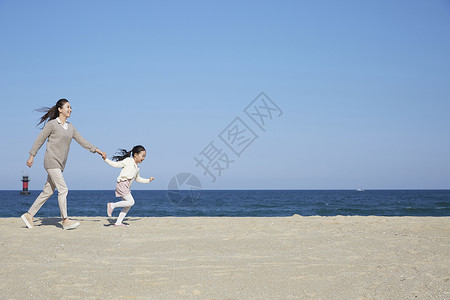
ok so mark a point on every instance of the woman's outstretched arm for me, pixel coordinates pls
(40, 140)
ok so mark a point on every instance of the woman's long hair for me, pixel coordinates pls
(123, 153)
(51, 112)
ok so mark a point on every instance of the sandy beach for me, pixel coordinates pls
(227, 258)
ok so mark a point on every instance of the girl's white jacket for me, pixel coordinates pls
(130, 170)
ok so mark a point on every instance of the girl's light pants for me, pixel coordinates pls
(127, 202)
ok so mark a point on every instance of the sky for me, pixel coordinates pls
(355, 94)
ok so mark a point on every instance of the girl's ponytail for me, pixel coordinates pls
(121, 155)
(51, 112)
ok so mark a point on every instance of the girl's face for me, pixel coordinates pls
(139, 157)
(66, 110)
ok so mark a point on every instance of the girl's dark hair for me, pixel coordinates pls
(123, 153)
(51, 112)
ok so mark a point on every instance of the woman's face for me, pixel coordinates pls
(139, 157)
(66, 110)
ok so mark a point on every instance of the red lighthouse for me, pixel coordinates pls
(25, 185)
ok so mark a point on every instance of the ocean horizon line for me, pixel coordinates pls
(244, 202)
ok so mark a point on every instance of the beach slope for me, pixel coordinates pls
(227, 258)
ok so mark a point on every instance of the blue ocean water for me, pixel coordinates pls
(242, 203)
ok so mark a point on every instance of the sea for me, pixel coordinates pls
(241, 203)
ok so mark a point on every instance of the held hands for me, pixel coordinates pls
(103, 154)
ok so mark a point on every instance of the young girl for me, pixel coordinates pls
(58, 133)
(127, 160)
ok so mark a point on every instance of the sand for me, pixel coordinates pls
(227, 258)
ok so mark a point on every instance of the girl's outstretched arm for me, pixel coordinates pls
(115, 164)
(143, 180)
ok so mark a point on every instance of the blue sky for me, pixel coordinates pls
(364, 87)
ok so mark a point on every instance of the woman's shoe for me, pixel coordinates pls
(70, 225)
(27, 219)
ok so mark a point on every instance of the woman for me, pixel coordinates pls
(59, 134)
